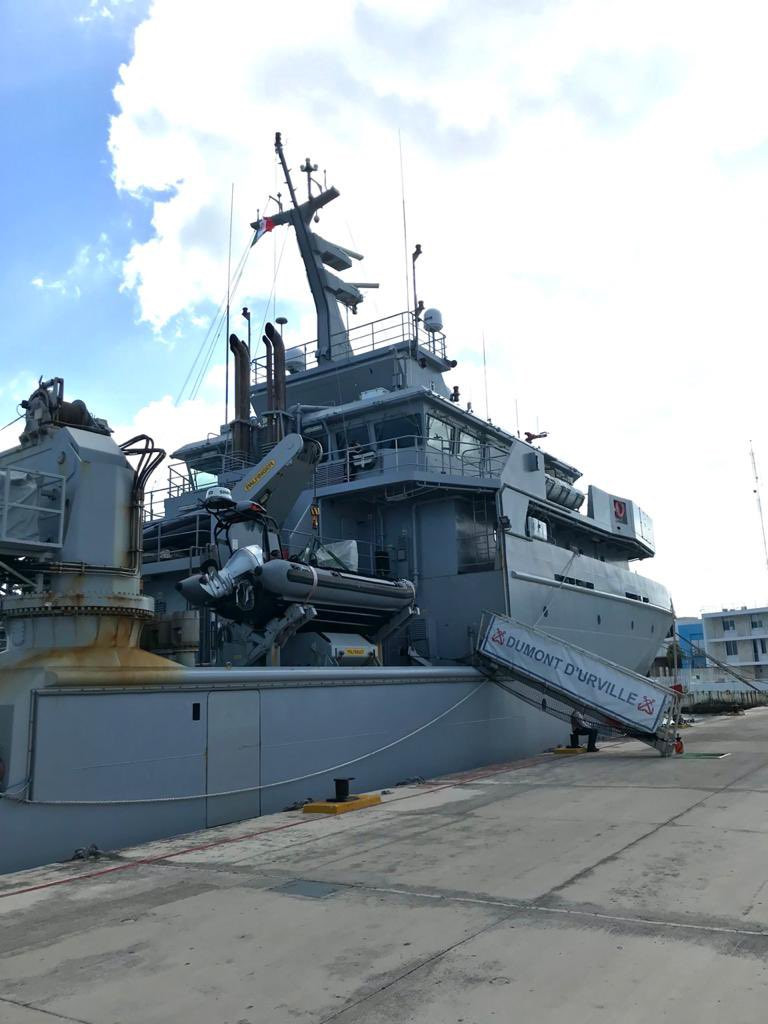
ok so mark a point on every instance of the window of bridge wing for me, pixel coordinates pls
(398, 432)
(356, 436)
(470, 448)
(439, 434)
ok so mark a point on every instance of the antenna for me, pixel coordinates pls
(485, 379)
(405, 227)
(229, 289)
(759, 503)
(308, 168)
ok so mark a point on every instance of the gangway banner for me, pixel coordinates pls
(613, 691)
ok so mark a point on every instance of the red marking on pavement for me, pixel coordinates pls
(450, 784)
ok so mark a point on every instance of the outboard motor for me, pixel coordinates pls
(208, 589)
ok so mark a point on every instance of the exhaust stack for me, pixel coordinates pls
(272, 335)
(241, 427)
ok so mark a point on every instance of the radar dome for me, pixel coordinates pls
(433, 320)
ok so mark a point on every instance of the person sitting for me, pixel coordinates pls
(580, 727)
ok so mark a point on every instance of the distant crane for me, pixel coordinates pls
(759, 502)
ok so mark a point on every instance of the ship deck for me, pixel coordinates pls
(613, 887)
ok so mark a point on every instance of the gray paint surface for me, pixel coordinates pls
(133, 745)
(619, 887)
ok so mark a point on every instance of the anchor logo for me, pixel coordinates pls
(499, 637)
(647, 705)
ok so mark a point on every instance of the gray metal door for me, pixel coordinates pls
(233, 755)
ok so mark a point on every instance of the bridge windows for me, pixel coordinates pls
(439, 434)
(352, 436)
(400, 432)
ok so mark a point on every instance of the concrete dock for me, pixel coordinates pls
(615, 887)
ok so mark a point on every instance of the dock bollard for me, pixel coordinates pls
(342, 789)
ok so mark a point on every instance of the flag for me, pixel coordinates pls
(262, 226)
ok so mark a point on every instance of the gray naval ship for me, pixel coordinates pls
(405, 484)
(303, 602)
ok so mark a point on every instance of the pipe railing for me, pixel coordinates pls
(411, 452)
(363, 338)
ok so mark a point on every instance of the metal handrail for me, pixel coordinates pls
(411, 451)
(40, 480)
(381, 333)
(184, 481)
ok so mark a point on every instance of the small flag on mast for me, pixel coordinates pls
(262, 226)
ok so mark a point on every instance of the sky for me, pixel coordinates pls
(587, 180)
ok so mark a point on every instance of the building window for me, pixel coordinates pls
(763, 647)
(728, 624)
(731, 647)
(756, 623)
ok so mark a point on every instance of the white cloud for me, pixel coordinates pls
(171, 425)
(99, 10)
(584, 178)
(92, 263)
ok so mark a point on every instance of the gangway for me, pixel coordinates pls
(617, 700)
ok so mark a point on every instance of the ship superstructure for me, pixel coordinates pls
(415, 486)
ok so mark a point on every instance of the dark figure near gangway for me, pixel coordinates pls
(580, 727)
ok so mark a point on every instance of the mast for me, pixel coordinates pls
(328, 290)
(329, 322)
(759, 502)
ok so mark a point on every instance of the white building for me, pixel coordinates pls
(738, 637)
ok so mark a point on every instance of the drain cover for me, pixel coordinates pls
(302, 887)
(707, 754)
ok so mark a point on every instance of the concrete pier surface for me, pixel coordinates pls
(615, 887)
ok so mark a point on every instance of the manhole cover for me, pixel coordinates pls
(301, 887)
(707, 754)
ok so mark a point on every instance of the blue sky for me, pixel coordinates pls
(586, 179)
(66, 228)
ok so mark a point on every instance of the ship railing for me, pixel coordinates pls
(32, 506)
(411, 453)
(356, 340)
(182, 480)
(368, 558)
(187, 537)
